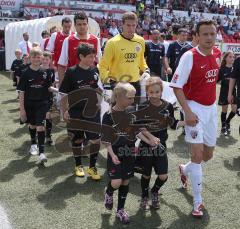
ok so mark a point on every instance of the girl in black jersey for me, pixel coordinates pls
(225, 74)
(119, 138)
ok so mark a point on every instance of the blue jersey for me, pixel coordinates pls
(154, 54)
(184, 49)
(173, 53)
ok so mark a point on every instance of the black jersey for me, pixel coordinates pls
(21, 69)
(154, 54)
(160, 118)
(77, 78)
(225, 73)
(173, 53)
(35, 84)
(16, 65)
(117, 131)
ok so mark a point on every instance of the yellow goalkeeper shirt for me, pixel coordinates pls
(123, 59)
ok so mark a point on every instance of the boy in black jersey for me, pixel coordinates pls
(81, 81)
(22, 67)
(46, 61)
(15, 66)
(34, 87)
(153, 155)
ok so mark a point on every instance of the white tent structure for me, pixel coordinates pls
(15, 30)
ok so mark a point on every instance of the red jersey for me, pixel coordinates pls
(197, 74)
(58, 46)
(73, 43)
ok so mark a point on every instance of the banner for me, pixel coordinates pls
(235, 48)
(13, 5)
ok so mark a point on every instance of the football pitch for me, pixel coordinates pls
(51, 197)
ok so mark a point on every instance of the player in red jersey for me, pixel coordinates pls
(68, 57)
(194, 84)
(56, 40)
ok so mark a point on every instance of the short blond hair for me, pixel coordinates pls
(35, 51)
(35, 44)
(47, 54)
(129, 16)
(18, 51)
(154, 80)
(120, 89)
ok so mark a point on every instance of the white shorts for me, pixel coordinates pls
(205, 131)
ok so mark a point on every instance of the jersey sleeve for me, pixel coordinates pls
(106, 61)
(63, 59)
(65, 87)
(105, 132)
(146, 50)
(143, 65)
(51, 43)
(22, 84)
(236, 69)
(183, 71)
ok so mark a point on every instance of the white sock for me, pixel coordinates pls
(187, 168)
(196, 181)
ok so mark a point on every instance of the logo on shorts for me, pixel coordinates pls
(194, 134)
(175, 78)
(44, 75)
(96, 76)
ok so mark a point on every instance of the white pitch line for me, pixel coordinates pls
(4, 222)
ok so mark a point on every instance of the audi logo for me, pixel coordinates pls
(130, 55)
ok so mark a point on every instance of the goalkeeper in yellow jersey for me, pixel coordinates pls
(123, 58)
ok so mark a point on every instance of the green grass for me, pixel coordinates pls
(51, 197)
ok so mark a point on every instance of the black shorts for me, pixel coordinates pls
(152, 158)
(124, 170)
(223, 96)
(81, 134)
(50, 104)
(36, 112)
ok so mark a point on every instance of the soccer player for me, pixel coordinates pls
(81, 76)
(15, 66)
(123, 58)
(46, 62)
(235, 79)
(34, 87)
(56, 40)
(226, 70)
(153, 155)
(68, 57)
(174, 50)
(45, 39)
(194, 84)
(155, 55)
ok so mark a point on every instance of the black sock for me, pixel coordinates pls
(122, 195)
(145, 186)
(230, 116)
(78, 160)
(41, 140)
(77, 152)
(94, 149)
(48, 127)
(33, 135)
(223, 118)
(158, 184)
(110, 190)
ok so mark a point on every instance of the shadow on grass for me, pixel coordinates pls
(10, 101)
(226, 141)
(180, 148)
(141, 219)
(16, 167)
(187, 221)
(23, 129)
(15, 110)
(234, 166)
